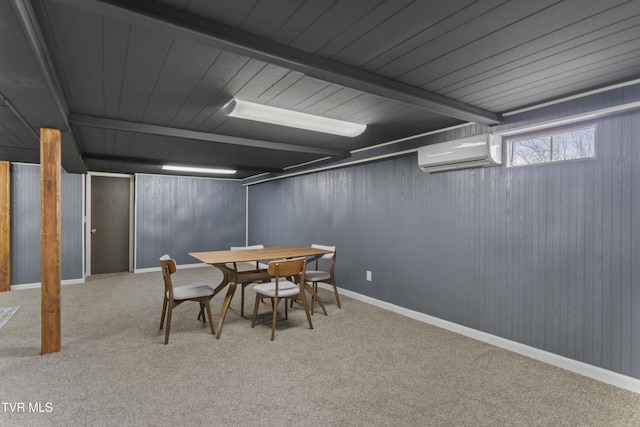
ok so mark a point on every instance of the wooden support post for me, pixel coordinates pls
(50, 171)
(5, 227)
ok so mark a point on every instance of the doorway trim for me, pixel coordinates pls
(87, 230)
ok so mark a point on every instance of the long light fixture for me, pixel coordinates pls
(198, 170)
(280, 116)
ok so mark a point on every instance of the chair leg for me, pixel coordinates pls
(335, 291)
(313, 298)
(164, 312)
(207, 305)
(320, 303)
(255, 311)
(273, 321)
(201, 313)
(306, 309)
(242, 300)
(168, 327)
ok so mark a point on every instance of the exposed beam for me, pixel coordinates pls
(33, 33)
(159, 162)
(50, 220)
(41, 54)
(125, 126)
(186, 25)
(19, 116)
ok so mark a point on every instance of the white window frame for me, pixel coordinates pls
(550, 134)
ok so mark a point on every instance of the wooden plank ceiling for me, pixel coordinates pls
(114, 75)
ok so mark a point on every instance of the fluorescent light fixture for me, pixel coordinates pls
(198, 170)
(280, 116)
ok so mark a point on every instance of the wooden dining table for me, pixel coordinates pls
(232, 277)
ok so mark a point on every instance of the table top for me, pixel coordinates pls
(246, 255)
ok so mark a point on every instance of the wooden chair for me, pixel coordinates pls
(173, 297)
(281, 288)
(315, 276)
(239, 267)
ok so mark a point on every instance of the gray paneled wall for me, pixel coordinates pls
(546, 255)
(178, 215)
(25, 225)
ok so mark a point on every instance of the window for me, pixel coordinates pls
(559, 146)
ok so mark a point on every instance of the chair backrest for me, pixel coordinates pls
(326, 248)
(331, 256)
(168, 266)
(288, 267)
(239, 248)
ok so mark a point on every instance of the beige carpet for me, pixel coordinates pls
(360, 366)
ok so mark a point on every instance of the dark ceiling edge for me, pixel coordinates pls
(71, 160)
(186, 25)
(19, 116)
(125, 126)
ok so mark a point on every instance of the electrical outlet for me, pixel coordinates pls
(368, 276)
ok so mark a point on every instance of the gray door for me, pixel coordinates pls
(110, 198)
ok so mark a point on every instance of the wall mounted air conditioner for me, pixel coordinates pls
(476, 151)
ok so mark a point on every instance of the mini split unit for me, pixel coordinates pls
(477, 151)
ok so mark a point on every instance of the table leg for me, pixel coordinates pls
(309, 289)
(221, 286)
(225, 306)
(226, 281)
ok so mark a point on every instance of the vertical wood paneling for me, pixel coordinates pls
(522, 257)
(597, 261)
(626, 246)
(542, 255)
(178, 215)
(494, 225)
(590, 233)
(616, 242)
(72, 226)
(25, 225)
(580, 231)
(632, 125)
(507, 256)
(533, 264)
(607, 249)
(564, 265)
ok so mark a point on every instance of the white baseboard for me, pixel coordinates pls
(581, 368)
(39, 284)
(146, 270)
(179, 267)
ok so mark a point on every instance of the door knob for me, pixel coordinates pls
(93, 231)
